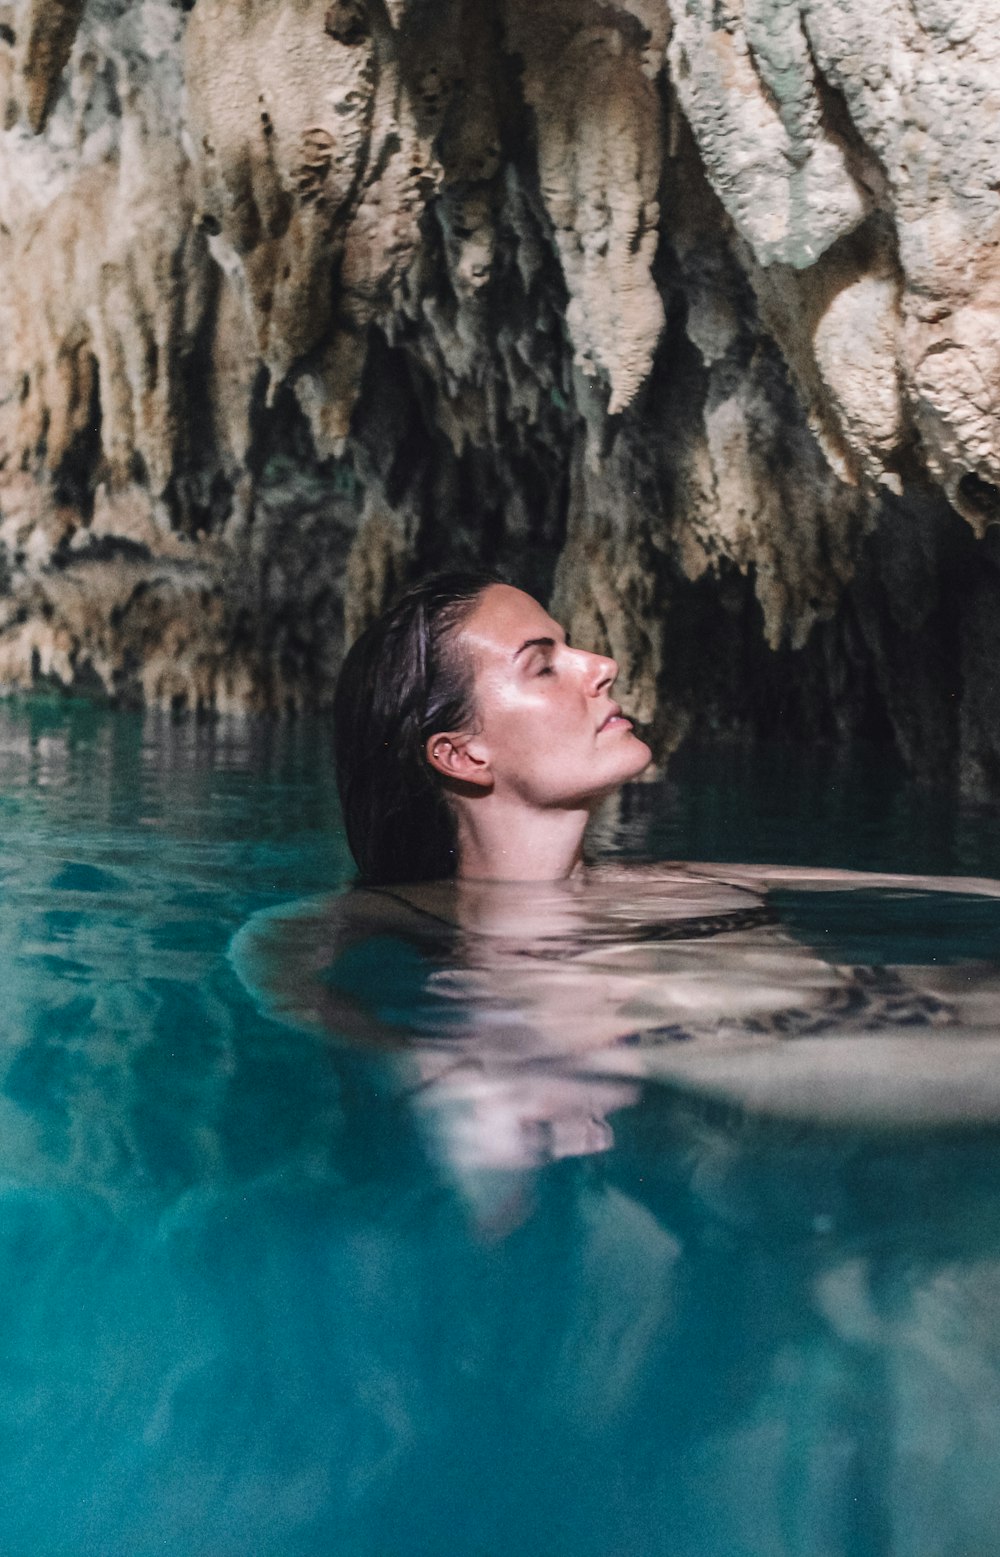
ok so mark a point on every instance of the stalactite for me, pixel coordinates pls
(687, 312)
(45, 31)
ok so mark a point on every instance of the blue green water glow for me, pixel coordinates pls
(243, 1312)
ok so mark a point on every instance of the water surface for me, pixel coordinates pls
(251, 1306)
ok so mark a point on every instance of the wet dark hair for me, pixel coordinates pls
(400, 683)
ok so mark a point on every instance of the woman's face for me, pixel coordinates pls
(546, 722)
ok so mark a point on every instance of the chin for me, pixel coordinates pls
(639, 758)
(634, 758)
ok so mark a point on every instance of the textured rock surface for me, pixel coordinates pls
(689, 311)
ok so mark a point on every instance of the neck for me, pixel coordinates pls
(497, 843)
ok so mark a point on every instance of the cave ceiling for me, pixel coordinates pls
(684, 314)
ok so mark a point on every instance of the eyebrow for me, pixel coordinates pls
(538, 643)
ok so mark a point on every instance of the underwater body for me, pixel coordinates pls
(654, 1243)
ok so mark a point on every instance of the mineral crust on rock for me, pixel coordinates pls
(687, 312)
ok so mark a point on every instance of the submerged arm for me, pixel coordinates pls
(288, 959)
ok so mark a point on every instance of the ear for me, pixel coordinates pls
(459, 757)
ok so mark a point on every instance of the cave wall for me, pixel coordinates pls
(686, 315)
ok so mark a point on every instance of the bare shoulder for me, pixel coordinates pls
(299, 961)
(282, 943)
(673, 873)
(818, 878)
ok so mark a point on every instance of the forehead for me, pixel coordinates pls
(502, 619)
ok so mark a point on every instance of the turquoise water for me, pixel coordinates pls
(245, 1310)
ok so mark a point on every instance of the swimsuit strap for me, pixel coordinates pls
(696, 927)
(415, 908)
(691, 927)
(701, 927)
(734, 886)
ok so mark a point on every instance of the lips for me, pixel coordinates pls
(613, 718)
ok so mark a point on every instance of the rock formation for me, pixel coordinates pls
(685, 311)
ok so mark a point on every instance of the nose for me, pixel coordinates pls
(602, 673)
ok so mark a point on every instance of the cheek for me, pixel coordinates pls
(517, 716)
(528, 733)
(532, 742)
(538, 731)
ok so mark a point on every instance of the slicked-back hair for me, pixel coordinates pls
(401, 682)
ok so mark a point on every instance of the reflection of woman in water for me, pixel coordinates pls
(473, 745)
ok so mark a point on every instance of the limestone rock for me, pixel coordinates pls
(44, 32)
(689, 311)
(597, 117)
(747, 84)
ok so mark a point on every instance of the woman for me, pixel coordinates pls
(474, 744)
